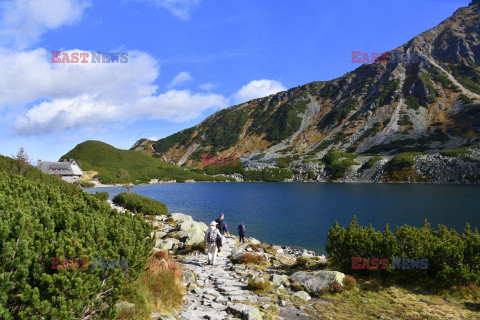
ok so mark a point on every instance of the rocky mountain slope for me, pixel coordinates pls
(423, 96)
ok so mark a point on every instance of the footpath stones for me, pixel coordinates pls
(315, 281)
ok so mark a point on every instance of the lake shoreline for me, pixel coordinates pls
(99, 185)
(273, 212)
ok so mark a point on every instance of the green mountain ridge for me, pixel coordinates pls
(109, 162)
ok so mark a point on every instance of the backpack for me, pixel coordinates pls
(212, 235)
(243, 229)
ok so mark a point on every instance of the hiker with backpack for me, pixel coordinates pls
(213, 241)
(242, 231)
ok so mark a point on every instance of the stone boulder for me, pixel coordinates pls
(255, 241)
(189, 276)
(279, 279)
(238, 252)
(180, 217)
(167, 244)
(160, 218)
(246, 312)
(315, 281)
(192, 232)
(189, 225)
(302, 295)
(159, 234)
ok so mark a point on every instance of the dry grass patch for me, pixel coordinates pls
(158, 289)
(251, 258)
(260, 285)
(394, 303)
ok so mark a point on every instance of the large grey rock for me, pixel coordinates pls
(315, 281)
(238, 252)
(279, 279)
(180, 217)
(302, 295)
(254, 241)
(245, 311)
(194, 238)
(166, 244)
(160, 218)
(190, 224)
(192, 232)
(160, 234)
(189, 276)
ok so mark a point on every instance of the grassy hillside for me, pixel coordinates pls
(43, 220)
(109, 162)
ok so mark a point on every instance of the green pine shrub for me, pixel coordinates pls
(140, 204)
(336, 168)
(43, 217)
(453, 259)
(103, 196)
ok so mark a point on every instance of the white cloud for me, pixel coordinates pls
(180, 79)
(87, 111)
(207, 86)
(257, 89)
(29, 75)
(153, 138)
(89, 94)
(180, 8)
(22, 22)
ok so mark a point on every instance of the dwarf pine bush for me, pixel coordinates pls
(141, 204)
(42, 217)
(453, 258)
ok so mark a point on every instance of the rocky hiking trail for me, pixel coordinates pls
(220, 291)
(271, 285)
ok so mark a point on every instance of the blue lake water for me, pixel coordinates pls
(300, 214)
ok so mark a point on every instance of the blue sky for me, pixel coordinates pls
(186, 60)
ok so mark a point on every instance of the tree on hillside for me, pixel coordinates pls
(22, 159)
